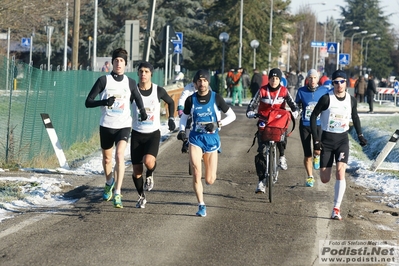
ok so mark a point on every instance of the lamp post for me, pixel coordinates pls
(314, 32)
(49, 31)
(357, 33)
(254, 45)
(336, 26)
(361, 50)
(343, 36)
(306, 57)
(314, 60)
(270, 35)
(367, 45)
(224, 38)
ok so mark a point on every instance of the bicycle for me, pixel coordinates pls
(269, 133)
(270, 174)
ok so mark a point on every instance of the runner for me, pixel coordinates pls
(335, 109)
(306, 99)
(204, 106)
(117, 92)
(146, 136)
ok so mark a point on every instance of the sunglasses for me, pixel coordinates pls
(342, 81)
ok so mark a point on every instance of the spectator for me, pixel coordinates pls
(105, 67)
(246, 82)
(256, 82)
(360, 88)
(292, 80)
(371, 90)
(323, 79)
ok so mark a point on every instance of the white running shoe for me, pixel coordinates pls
(336, 214)
(283, 163)
(261, 188)
(141, 202)
(149, 183)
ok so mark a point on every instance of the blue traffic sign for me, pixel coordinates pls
(177, 48)
(344, 59)
(318, 44)
(25, 42)
(332, 47)
(178, 43)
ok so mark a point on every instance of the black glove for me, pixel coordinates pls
(143, 114)
(110, 101)
(182, 135)
(209, 127)
(171, 124)
(317, 145)
(362, 140)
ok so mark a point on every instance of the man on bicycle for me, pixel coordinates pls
(270, 96)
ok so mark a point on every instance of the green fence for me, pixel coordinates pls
(26, 92)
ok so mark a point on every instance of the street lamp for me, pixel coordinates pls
(356, 33)
(224, 38)
(361, 50)
(49, 31)
(336, 26)
(367, 45)
(306, 57)
(254, 45)
(314, 62)
(343, 36)
(270, 34)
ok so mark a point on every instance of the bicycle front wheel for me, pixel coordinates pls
(272, 169)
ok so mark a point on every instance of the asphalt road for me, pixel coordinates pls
(241, 227)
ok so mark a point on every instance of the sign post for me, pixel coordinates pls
(178, 48)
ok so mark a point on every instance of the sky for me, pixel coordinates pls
(46, 191)
(386, 5)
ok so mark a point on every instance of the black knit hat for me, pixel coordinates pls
(120, 52)
(339, 74)
(146, 65)
(275, 72)
(202, 73)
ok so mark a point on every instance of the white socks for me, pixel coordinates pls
(339, 191)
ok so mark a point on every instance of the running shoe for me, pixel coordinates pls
(310, 181)
(336, 214)
(261, 188)
(184, 148)
(141, 202)
(283, 163)
(149, 183)
(107, 195)
(201, 211)
(118, 201)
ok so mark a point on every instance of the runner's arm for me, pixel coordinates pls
(97, 88)
(135, 94)
(321, 105)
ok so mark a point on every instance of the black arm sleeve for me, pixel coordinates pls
(187, 105)
(321, 105)
(98, 87)
(355, 116)
(135, 94)
(221, 103)
(163, 94)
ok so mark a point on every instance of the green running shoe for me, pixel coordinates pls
(118, 201)
(107, 195)
(310, 181)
